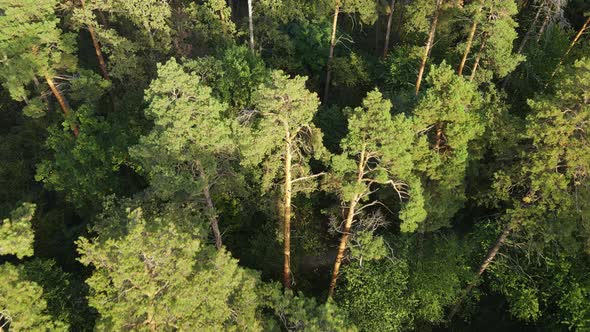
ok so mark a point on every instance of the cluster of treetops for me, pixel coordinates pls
(168, 165)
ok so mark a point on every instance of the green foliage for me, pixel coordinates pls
(158, 276)
(189, 134)
(22, 307)
(400, 292)
(86, 167)
(377, 150)
(286, 108)
(448, 121)
(32, 45)
(16, 234)
(295, 312)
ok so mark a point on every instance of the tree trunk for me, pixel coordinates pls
(469, 41)
(251, 25)
(388, 32)
(529, 33)
(347, 225)
(287, 213)
(573, 43)
(478, 57)
(544, 25)
(429, 43)
(526, 38)
(212, 212)
(331, 55)
(492, 252)
(62, 101)
(101, 62)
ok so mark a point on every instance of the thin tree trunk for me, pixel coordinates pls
(573, 43)
(544, 25)
(529, 33)
(429, 43)
(101, 62)
(212, 212)
(526, 38)
(331, 55)
(388, 32)
(287, 212)
(347, 225)
(251, 25)
(478, 57)
(62, 101)
(469, 41)
(492, 252)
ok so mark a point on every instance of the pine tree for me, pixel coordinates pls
(22, 307)
(376, 153)
(157, 277)
(284, 103)
(448, 122)
(31, 28)
(186, 150)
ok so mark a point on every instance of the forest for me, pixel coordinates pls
(295, 165)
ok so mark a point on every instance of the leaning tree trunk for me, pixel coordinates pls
(331, 55)
(97, 49)
(251, 25)
(573, 43)
(388, 32)
(525, 40)
(545, 23)
(347, 226)
(428, 47)
(478, 57)
(287, 212)
(492, 252)
(213, 220)
(65, 107)
(469, 41)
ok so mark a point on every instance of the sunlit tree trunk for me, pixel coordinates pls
(478, 57)
(61, 100)
(98, 51)
(251, 25)
(347, 225)
(544, 25)
(388, 32)
(492, 252)
(287, 211)
(332, 46)
(573, 43)
(469, 41)
(213, 220)
(524, 41)
(428, 47)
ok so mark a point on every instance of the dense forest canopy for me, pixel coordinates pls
(294, 165)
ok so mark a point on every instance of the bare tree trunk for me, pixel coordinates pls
(469, 41)
(529, 33)
(492, 252)
(478, 57)
(331, 55)
(287, 212)
(213, 220)
(429, 43)
(251, 25)
(101, 62)
(573, 43)
(347, 225)
(343, 242)
(544, 25)
(526, 38)
(388, 32)
(62, 101)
